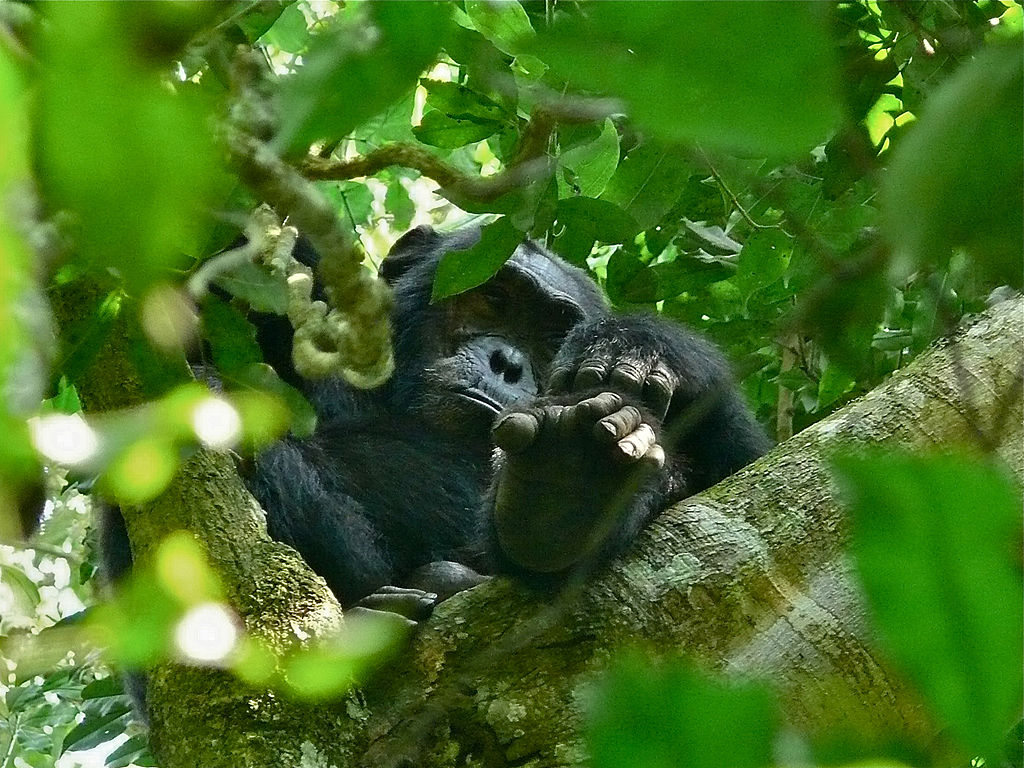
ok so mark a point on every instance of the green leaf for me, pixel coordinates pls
(439, 130)
(669, 279)
(456, 100)
(102, 688)
(834, 383)
(260, 16)
(239, 362)
(135, 751)
(398, 203)
(21, 585)
(935, 539)
(459, 271)
(591, 166)
(643, 716)
(583, 221)
(131, 159)
(101, 724)
(764, 258)
(232, 338)
(290, 32)
(699, 71)
(371, 55)
(257, 287)
(956, 180)
(646, 184)
(504, 24)
(352, 199)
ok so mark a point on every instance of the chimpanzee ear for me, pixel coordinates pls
(408, 251)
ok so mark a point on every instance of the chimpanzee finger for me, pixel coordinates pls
(515, 431)
(634, 445)
(655, 456)
(657, 390)
(588, 411)
(591, 373)
(619, 424)
(627, 377)
(559, 378)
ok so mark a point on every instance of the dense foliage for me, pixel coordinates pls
(822, 188)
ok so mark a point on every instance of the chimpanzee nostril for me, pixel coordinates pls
(498, 361)
(507, 364)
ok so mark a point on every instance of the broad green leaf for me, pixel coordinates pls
(957, 178)
(99, 689)
(290, 32)
(370, 56)
(589, 166)
(240, 365)
(21, 586)
(456, 100)
(135, 751)
(668, 279)
(257, 287)
(133, 161)
(258, 17)
(834, 384)
(936, 540)
(232, 338)
(459, 271)
(262, 425)
(398, 203)
(101, 724)
(582, 221)
(645, 716)
(352, 199)
(749, 76)
(646, 183)
(439, 130)
(764, 258)
(504, 24)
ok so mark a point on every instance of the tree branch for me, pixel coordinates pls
(749, 578)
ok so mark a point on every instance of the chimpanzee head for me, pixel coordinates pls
(462, 360)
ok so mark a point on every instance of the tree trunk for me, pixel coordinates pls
(749, 578)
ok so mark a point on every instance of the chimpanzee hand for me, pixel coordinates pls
(567, 471)
(622, 354)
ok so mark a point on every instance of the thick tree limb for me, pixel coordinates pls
(750, 578)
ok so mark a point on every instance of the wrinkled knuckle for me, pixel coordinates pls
(627, 375)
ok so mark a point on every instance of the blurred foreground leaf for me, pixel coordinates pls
(644, 716)
(371, 55)
(698, 71)
(937, 540)
(132, 160)
(958, 178)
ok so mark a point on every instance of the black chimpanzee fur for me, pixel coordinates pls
(403, 485)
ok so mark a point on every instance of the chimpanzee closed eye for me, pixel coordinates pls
(526, 430)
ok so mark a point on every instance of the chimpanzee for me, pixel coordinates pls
(526, 430)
